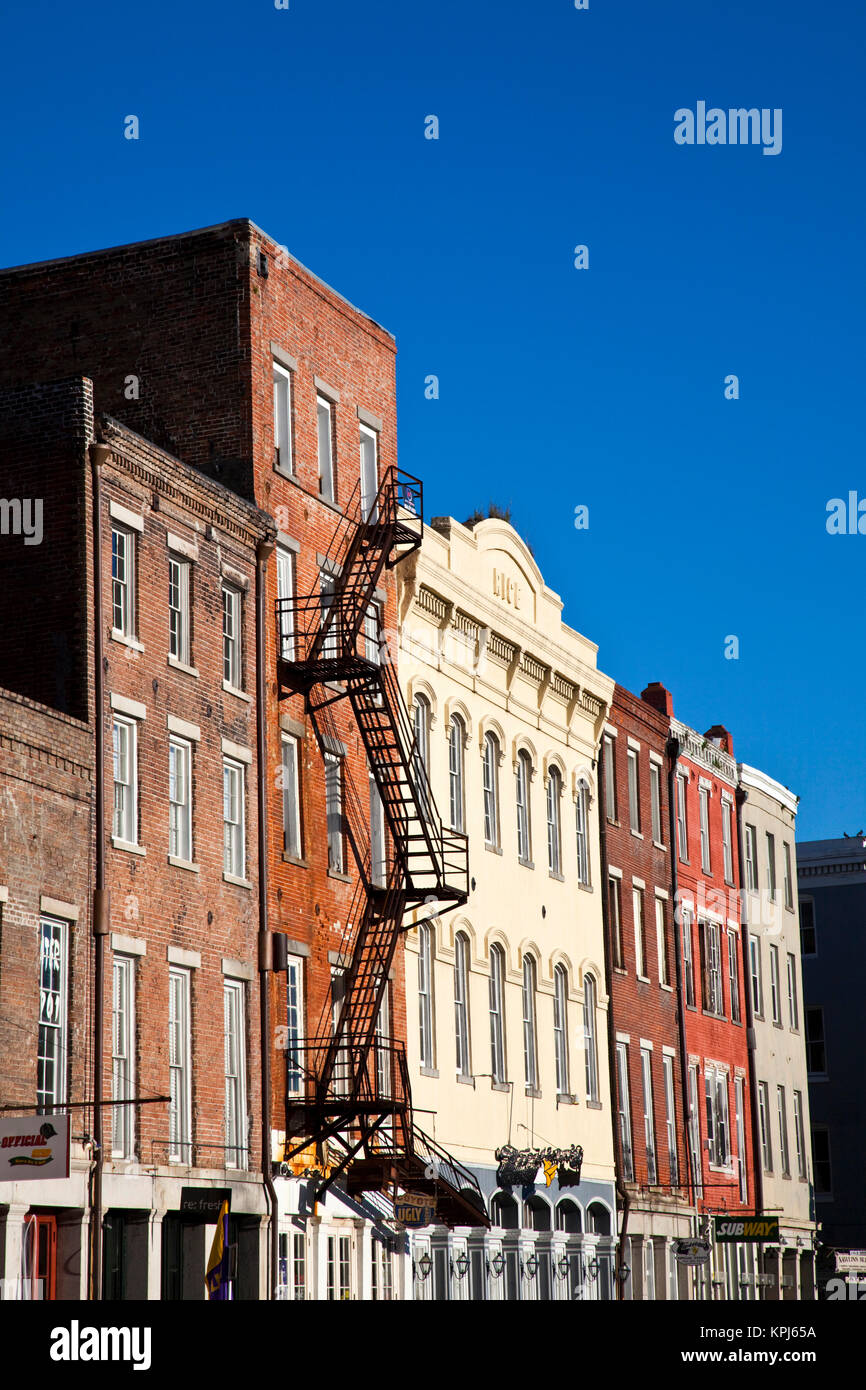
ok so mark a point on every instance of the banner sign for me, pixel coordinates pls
(519, 1167)
(692, 1252)
(415, 1209)
(34, 1146)
(748, 1228)
(204, 1202)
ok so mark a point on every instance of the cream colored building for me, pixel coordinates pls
(506, 1003)
(768, 825)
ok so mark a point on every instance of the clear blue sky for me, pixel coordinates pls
(558, 386)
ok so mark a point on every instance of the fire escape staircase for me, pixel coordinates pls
(349, 1084)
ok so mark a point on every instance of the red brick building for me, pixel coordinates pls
(646, 1069)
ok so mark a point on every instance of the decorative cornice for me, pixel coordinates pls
(703, 751)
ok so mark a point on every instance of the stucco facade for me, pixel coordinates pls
(509, 708)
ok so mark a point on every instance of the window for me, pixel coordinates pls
(560, 1028)
(718, 1133)
(334, 813)
(299, 1266)
(751, 859)
(236, 1089)
(757, 980)
(808, 940)
(294, 1024)
(369, 443)
(614, 899)
(764, 1118)
(178, 609)
(789, 879)
(497, 1014)
(234, 857)
(695, 1131)
(670, 1118)
(712, 973)
(122, 582)
(530, 1049)
(733, 977)
(524, 776)
(793, 1005)
(656, 801)
(421, 754)
(282, 419)
(125, 823)
(775, 996)
(381, 1273)
(456, 740)
(232, 637)
(122, 1054)
(633, 791)
(704, 810)
(624, 1111)
(51, 1045)
(783, 1132)
(425, 995)
(823, 1171)
(799, 1136)
(727, 840)
(740, 1113)
(649, 1267)
(330, 615)
(339, 1268)
(589, 1038)
(342, 1061)
(180, 1108)
(383, 1051)
(610, 776)
(292, 842)
(582, 812)
(682, 822)
(286, 599)
(324, 426)
(179, 800)
(648, 1119)
(639, 932)
(373, 637)
(378, 848)
(688, 961)
(461, 1004)
(491, 790)
(771, 865)
(554, 848)
(816, 1052)
(662, 942)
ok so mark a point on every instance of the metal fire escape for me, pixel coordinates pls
(348, 1084)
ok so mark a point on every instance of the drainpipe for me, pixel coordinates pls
(621, 1191)
(672, 749)
(99, 456)
(264, 551)
(751, 1040)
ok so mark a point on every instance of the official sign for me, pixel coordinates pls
(34, 1146)
(850, 1260)
(415, 1209)
(747, 1228)
(204, 1202)
(692, 1252)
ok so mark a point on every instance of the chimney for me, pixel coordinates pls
(719, 735)
(660, 698)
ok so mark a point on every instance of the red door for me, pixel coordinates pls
(42, 1231)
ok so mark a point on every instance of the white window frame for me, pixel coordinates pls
(178, 609)
(339, 1268)
(234, 819)
(122, 1055)
(695, 1130)
(123, 588)
(633, 790)
(614, 889)
(530, 1030)
(793, 1001)
(491, 790)
(670, 1118)
(590, 1036)
(637, 909)
(179, 1051)
(740, 1120)
(293, 840)
(734, 975)
(789, 880)
(286, 594)
(52, 1031)
(282, 379)
(425, 997)
(682, 817)
(704, 813)
(752, 879)
(727, 840)
(234, 1012)
(294, 1025)
(461, 1004)
(718, 1117)
(775, 985)
(688, 961)
(649, 1127)
(662, 940)
(456, 773)
(180, 807)
(656, 802)
(624, 1111)
(610, 776)
(756, 973)
(369, 437)
(714, 1002)
(334, 813)
(422, 715)
(497, 1014)
(784, 1147)
(125, 821)
(764, 1122)
(524, 822)
(560, 1029)
(554, 836)
(232, 608)
(581, 809)
(800, 1136)
(770, 845)
(325, 447)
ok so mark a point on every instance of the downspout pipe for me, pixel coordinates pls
(751, 1039)
(672, 749)
(621, 1190)
(264, 551)
(99, 456)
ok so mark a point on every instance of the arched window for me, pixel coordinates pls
(524, 774)
(589, 1040)
(582, 823)
(421, 753)
(456, 736)
(461, 1004)
(497, 1014)
(425, 994)
(530, 1047)
(504, 1211)
(560, 1028)
(568, 1217)
(491, 790)
(554, 839)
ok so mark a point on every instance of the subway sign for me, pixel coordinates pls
(727, 1228)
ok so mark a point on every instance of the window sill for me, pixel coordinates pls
(526, 863)
(500, 1085)
(339, 875)
(296, 860)
(644, 979)
(717, 1168)
(237, 880)
(240, 694)
(464, 1080)
(432, 1072)
(177, 665)
(585, 887)
(125, 641)
(620, 970)
(565, 1099)
(638, 835)
(533, 1092)
(493, 849)
(560, 878)
(669, 989)
(657, 844)
(184, 864)
(336, 686)
(612, 820)
(594, 1105)
(128, 846)
(777, 1025)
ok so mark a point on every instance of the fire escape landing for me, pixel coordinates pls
(348, 1084)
